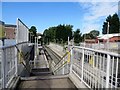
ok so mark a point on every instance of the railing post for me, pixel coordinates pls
(71, 59)
(3, 68)
(63, 71)
(107, 71)
(83, 51)
(16, 62)
(35, 54)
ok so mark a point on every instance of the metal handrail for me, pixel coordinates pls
(62, 58)
(63, 64)
(22, 55)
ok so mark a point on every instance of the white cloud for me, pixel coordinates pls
(97, 11)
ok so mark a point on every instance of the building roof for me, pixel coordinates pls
(107, 36)
(90, 39)
(1, 23)
(10, 25)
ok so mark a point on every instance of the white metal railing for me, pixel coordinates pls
(62, 67)
(0, 68)
(8, 65)
(96, 68)
(111, 46)
(11, 62)
(14, 58)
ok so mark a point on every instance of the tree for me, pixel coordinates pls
(33, 30)
(91, 35)
(58, 33)
(87, 36)
(77, 36)
(114, 24)
(33, 33)
(94, 34)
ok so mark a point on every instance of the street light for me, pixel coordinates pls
(108, 35)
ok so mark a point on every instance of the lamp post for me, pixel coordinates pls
(84, 39)
(108, 36)
(73, 38)
(30, 36)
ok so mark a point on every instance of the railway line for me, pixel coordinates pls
(51, 55)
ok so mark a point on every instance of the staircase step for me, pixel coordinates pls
(42, 77)
(40, 70)
(40, 73)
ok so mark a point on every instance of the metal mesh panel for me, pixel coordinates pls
(22, 32)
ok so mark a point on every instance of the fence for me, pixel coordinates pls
(96, 68)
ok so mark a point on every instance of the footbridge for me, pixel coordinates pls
(79, 67)
(31, 65)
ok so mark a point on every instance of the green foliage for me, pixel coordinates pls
(114, 24)
(32, 33)
(77, 36)
(33, 30)
(58, 34)
(94, 34)
(91, 35)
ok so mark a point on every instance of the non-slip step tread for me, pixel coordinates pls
(40, 70)
(44, 77)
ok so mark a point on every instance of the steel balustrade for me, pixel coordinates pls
(96, 68)
(10, 63)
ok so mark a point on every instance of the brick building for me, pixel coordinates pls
(111, 37)
(104, 38)
(10, 31)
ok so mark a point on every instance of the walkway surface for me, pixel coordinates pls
(41, 61)
(48, 83)
(41, 77)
